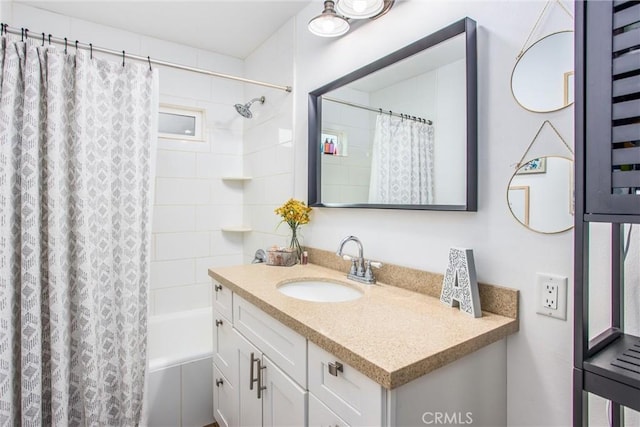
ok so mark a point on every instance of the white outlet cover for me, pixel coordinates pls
(542, 279)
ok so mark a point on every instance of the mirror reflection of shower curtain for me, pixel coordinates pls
(402, 162)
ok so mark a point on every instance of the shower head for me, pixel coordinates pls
(245, 109)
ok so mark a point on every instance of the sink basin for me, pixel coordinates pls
(319, 291)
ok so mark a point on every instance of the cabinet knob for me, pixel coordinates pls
(218, 322)
(217, 287)
(219, 382)
(334, 368)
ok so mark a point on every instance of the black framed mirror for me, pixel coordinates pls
(401, 132)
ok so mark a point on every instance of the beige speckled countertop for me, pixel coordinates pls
(391, 334)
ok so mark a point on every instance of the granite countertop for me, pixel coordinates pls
(392, 335)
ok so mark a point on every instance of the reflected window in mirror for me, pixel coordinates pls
(410, 121)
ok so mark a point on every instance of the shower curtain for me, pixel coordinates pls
(76, 169)
(402, 162)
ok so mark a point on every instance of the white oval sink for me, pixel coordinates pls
(319, 291)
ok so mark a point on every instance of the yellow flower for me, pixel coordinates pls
(294, 212)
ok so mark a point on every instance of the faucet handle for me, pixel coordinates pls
(376, 264)
(354, 267)
(368, 274)
(354, 264)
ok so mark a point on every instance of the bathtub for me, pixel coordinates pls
(180, 389)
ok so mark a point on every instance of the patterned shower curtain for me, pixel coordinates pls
(402, 162)
(77, 142)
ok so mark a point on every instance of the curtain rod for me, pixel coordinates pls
(24, 32)
(378, 110)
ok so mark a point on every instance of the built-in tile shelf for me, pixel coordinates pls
(237, 229)
(237, 178)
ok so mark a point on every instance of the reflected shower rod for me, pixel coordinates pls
(378, 110)
(24, 32)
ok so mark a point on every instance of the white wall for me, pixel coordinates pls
(5, 11)
(539, 355)
(191, 202)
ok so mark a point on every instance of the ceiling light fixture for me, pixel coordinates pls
(328, 23)
(359, 9)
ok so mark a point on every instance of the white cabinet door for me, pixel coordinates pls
(284, 401)
(224, 400)
(247, 359)
(286, 348)
(321, 416)
(223, 346)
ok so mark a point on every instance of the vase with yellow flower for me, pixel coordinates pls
(295, 213)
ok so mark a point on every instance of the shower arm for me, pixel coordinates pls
(261, 99)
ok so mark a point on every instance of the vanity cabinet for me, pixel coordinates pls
(268, 374)
(250, 387)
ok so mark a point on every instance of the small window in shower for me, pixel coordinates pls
(180, 123)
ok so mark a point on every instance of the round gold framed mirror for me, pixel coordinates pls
(540, 195)
(542, 79)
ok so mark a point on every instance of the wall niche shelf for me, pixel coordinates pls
(237, 178)
(237, 229)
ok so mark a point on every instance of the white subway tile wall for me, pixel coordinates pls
(191, 201)
(268, 142)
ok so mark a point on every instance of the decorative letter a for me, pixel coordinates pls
(460, 286)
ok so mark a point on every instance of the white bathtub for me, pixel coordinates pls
(180, 389)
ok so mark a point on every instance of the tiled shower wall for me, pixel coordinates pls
(268, 141)
(192, 203)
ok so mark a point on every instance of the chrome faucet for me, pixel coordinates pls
(360, 268)
(259, 257)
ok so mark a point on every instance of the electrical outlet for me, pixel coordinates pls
(552, 295)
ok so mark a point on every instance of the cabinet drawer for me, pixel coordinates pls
(354, 397)
(224, 400)
(284, 347)
(223, 347)
(222, 299)
(321, 416)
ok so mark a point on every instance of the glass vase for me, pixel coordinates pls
(295, 244)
